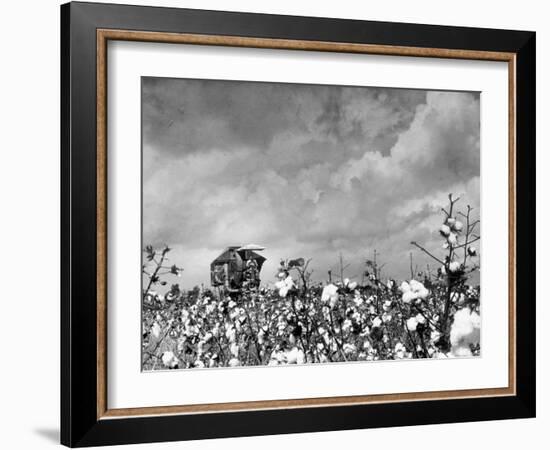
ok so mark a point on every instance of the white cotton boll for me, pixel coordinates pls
(461, 351)
(465, 331)
(451, 221)
(457, 297)
(399, 350)
(458, 226)
(412, 323)
(231, 334)
(283, 291)
(435, 335)
(420, 319)
(155, 330)
(405, 287)
(452, 239)
(169, 359)
(387, 305)
(454, 266)
(445, 230)
(352, 285)
(476, 322)
(234, 348)
(346, 326)
(261, 336)
(198, 364)
(408, 296)
(330, 292)
(386, 317)
(295, 356)
(284, 286)
(346, 281)
(443, 270)
(415, 285)
(234, 362)
(423, 293)
(349, 348)
(376, 322)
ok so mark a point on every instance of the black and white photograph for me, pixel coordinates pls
(307, 224)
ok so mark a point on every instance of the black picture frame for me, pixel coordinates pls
(80, 425)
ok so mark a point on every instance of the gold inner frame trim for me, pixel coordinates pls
(103, 36)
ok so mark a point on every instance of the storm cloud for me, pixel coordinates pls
(304, 170)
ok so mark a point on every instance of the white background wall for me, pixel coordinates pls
(29, 223)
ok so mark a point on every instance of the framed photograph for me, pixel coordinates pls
(276, 224)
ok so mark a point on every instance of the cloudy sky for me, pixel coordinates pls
(304, 170)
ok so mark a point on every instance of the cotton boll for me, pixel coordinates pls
(376, 322)
(420, 319)
(198, 364)
(451, 221)
(452, 239)
(231, 334)
(435, 335)
(234, 362)
(457, 297)
(346, 326)
(155, 330)
(399, 350)
(458, 226)
(349, 348)
(295, 356)
(465, 331)
(330, 292)
(408, 297)
(445, 230)
(461, 351)
(234, 348)
(284, 286)
(169, 360)
(454, 266)
(261, 337)
(352, 285)
(412, 323)
(423, 293)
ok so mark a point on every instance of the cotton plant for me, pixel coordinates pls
(295, 320)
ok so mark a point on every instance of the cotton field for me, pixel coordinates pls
(294, 320)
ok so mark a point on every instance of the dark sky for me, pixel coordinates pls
(304, 170)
